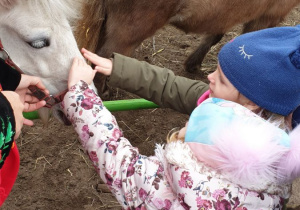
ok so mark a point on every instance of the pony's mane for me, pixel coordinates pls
(88, 27)
(55, 8)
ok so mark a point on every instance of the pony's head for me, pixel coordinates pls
(39, 38)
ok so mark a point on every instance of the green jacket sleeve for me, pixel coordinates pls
(156, 84)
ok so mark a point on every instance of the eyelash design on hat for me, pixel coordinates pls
(242, 50)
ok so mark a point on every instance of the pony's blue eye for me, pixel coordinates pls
(38, 44)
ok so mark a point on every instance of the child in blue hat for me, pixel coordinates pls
(237, 150)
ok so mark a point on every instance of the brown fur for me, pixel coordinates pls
(121, 25)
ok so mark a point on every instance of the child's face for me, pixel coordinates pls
(221, 87)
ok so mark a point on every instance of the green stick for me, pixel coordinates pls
(113, 106)
(130, 104)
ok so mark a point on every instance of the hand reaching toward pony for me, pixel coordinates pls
(102, 65)
(80, 70)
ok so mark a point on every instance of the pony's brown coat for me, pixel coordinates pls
(121, 25)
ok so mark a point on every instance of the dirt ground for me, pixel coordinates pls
(55, 173)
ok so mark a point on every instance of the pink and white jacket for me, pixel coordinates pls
(171, 179)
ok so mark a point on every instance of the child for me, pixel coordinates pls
(15, 99)
(230, 157)
(156, 84)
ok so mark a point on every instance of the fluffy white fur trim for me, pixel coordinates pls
(289, 167)
(249, 152)
(180, 154)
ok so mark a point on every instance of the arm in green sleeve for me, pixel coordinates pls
(156, 84)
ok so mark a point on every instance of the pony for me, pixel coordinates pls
(120, 25)
(38, 35)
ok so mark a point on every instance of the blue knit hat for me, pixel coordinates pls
(265, 67)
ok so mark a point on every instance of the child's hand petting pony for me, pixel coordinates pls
(80, 70)
(102, 65)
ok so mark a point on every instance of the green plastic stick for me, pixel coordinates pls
(113, 106)
(130, 104)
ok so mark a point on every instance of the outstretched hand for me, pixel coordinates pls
(30, 102)
(102, 65)
(80, 70)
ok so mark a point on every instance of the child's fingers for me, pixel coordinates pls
(31, 99)
(81, 63)
(28, 122)
(83, 50)
(74, 63)
(87, 53)
(103, 70)
(77, 64)
(92, 57)
(102, 65)
(28, 107)
(38, 82)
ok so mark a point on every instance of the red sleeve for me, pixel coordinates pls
(8, 173)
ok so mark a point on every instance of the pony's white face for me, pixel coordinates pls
(38, 36)
(40, 42)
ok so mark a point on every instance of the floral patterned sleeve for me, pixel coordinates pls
(134, 179)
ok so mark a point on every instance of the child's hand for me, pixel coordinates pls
(30, 102)
(18, 108)
(27, 80)
(102, 65)
(80, 70)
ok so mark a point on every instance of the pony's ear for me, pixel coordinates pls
(8, 4)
